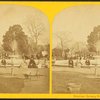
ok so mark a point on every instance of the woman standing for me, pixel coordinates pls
(32, 63)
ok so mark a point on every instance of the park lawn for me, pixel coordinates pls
(37, 84)
(11, 85)
(61, 78)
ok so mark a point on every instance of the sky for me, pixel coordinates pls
(17, 14)
(76, 21)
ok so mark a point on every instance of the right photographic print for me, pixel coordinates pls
(76, 50)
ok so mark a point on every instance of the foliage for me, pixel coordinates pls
(16, 33)
(93, 38)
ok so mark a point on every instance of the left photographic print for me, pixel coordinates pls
(24, 50)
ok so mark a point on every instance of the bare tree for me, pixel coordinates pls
(36, 28)
(79, 47)
(64, 40)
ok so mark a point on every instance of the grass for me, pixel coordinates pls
(11, 85)
(36, 84)
(88, 85)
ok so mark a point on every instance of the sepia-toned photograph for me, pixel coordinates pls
(24, 50)
(76, 50)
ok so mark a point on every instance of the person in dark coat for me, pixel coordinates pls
(71, 63)
(38, 56)
(87, 62)
(32, 63)
(3, 62)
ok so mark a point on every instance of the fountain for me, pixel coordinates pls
(15, 57)
(14, 45)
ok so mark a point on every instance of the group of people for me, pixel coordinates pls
(36, 63)
(78, 62)
(31, 62)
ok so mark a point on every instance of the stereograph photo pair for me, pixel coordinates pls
(25, 50)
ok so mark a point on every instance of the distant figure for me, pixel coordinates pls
(44, 54)
(80, 58)
(44, 64)
(32, 63)
(78, 63)
(71, 64)
(38, 56)
(87, 62)
(3, 62)
(24, 63)
(25, 57)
